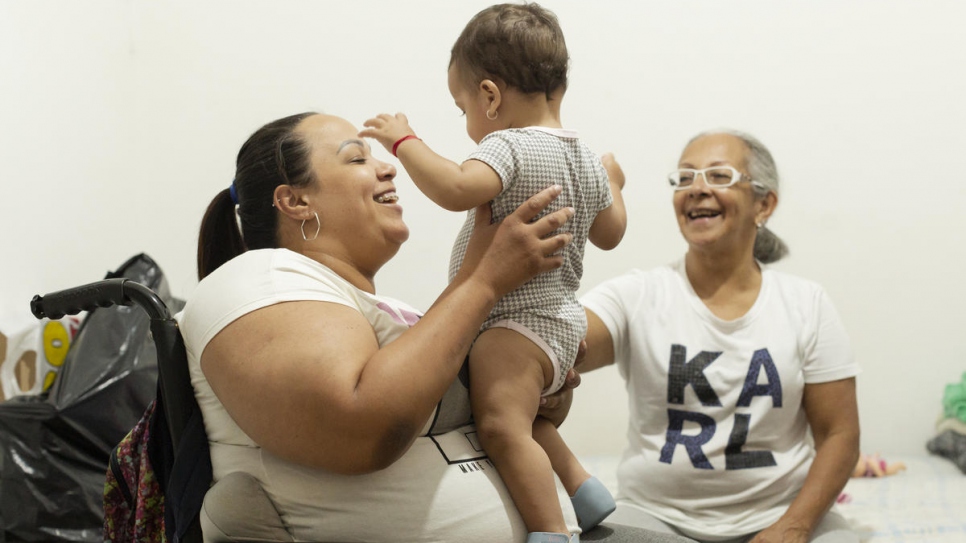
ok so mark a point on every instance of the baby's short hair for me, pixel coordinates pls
(519, 44)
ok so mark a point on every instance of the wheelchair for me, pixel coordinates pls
(234, 509)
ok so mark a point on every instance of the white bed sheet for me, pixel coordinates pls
(924, 504)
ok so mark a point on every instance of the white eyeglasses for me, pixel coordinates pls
(718, 177)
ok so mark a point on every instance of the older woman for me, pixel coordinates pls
(349, 408)
(728, 365)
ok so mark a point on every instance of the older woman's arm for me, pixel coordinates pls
(833, 416)
(600, 345)
(308, 381)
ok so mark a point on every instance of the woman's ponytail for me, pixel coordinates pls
(220, 240)
(769, 247)
(243, 217)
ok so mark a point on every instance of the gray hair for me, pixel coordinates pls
(761, 168)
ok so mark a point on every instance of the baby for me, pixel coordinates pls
(508, 74)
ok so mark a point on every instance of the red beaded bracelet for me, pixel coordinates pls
(400, 140)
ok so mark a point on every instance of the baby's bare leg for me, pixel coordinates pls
(572, 474)
(508, 372)
(591, 500)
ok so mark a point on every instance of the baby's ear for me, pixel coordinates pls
(492, 92)
(489, 86)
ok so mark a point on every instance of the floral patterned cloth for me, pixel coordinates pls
(133, 501)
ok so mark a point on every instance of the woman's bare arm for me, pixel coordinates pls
(833, 415)
(600, 345)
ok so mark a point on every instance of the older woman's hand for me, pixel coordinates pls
(783, 532)
(556, 406)
(507, 254)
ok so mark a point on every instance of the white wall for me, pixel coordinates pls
(119, 120)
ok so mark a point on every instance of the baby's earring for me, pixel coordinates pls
(495, 114)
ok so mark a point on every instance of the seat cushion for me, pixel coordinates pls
(236, 508)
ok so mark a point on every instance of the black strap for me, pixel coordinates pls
(188, 482)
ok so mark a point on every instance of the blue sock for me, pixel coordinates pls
(552, 537)
(592, 503)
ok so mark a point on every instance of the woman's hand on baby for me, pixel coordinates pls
(614, 172)
(507, 254)
(556, 406)
(387, 129)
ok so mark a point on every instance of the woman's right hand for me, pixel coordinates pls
(507, 254)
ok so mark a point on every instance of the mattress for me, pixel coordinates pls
(926, 503)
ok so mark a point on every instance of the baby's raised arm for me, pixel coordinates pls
(456, 187)
(609, 225)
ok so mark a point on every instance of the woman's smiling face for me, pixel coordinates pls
(356, 198)
(717, 219)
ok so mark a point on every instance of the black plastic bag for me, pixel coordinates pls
(54, 448)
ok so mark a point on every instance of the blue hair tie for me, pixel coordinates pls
(234, 193)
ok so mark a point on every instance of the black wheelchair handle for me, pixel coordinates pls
(106, 293)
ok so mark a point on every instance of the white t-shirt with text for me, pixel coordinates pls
(718, 442)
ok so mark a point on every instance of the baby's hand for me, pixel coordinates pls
(614, 171)
(387, 129)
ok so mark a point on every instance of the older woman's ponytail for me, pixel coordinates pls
(762, 168)
(220, 240)
(769, 247)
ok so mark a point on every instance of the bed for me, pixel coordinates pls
(926, 503)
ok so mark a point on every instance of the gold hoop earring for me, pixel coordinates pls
(495, 115)
(318, 227)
